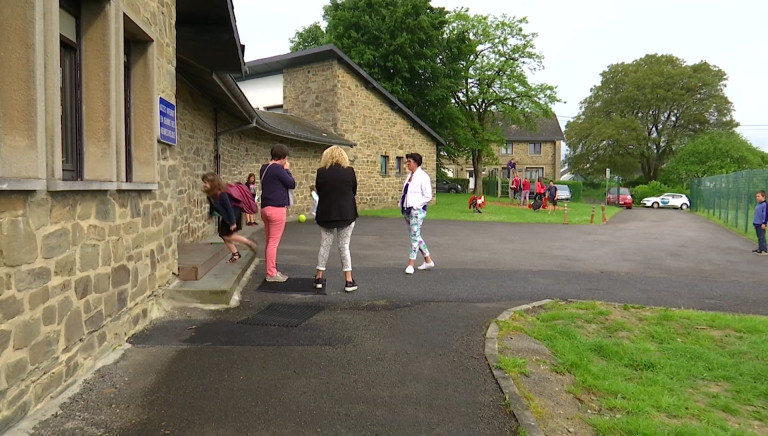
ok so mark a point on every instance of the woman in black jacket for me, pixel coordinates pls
(336, 186)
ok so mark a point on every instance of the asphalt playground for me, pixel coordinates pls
(403, 355)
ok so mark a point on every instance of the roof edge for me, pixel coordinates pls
(335, 52)
(262, 124)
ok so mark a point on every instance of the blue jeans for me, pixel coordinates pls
(760, 237)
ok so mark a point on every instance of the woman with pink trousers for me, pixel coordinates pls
(276, 180)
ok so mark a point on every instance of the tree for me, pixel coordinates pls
(397, 42)
(710, 154)
(641, 112)
(308, 37)
(489, 59)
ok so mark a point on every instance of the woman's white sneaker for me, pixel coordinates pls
(426, 265)
(409, 269)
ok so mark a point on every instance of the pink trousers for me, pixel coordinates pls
(274, 225)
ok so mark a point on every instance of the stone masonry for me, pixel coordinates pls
(80, 271)
(329, 94)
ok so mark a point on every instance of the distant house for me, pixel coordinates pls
(324, 87)
(536, 153)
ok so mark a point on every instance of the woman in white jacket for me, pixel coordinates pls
(417, 192)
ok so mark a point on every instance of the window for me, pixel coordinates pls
(399, 165)
(127, 106)
(383, 163)
(71, 95)
(507, 148)
(533, 173)
(534, 148)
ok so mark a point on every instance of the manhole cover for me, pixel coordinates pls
(283, 315)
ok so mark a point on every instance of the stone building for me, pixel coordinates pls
(537, 153)
(324, 86)
(110, 110)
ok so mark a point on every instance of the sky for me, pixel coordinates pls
(580, 39)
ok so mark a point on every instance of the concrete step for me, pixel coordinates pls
(195, 260)
(217, 287)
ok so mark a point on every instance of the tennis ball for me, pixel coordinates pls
(302, 218)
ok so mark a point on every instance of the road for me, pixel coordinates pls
(404, 354)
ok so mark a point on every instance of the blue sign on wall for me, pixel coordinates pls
(167, 122)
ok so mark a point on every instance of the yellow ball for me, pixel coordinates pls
(302, 218)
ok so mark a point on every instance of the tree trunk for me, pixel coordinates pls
(477, 166)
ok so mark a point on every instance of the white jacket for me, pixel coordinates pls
(419, 191)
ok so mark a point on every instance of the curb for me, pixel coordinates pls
(516, 401)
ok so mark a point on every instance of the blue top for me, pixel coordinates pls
(222, 204)
(760, 214)
(275, 183)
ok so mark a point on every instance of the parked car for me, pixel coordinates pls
(563, 193)
(446, 186)
(670, 199)
(624, 199)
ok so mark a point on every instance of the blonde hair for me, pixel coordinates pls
(216, 184)
(334, 155)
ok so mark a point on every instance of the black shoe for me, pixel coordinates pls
(755, 251)
(350, 286)
(319, 283)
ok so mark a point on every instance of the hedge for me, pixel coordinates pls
(577, 188)
(464, 183)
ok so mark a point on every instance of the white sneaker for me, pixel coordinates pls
(276, 278)
(409, 269)
(426, 265)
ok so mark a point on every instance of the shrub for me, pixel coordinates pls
(576, 186)
(653, 189)
(464, 183)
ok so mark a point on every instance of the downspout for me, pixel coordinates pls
(216, 149)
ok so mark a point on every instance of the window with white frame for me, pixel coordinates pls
(507, 148)
(533, 173)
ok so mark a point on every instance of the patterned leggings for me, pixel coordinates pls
(415, 221)
(326, 240)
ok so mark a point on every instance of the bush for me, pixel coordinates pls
(577, 188)
(464, 183)
(654, 189)
(490, 186)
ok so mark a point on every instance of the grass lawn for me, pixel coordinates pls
(655, 371)
(749, 234)
(455, 207)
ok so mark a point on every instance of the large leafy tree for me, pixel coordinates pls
(398, 42)
(308, 37)
(710, 154)
(489, 59)
(642, 111)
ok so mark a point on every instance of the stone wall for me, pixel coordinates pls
(365, 117)
(78, 274)
(245, 152)
(80, 271)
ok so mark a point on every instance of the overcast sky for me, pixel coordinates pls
(579, 39)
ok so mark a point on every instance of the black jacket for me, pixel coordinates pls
(336, 187)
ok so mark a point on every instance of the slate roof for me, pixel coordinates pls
(547, 130)
(290, 126)
(276, 64)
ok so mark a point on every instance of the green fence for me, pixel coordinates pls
(730, 197)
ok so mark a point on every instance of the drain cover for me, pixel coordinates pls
(283, 315)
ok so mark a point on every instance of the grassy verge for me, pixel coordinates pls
(455, 207)
(651, 371)
(749, 235)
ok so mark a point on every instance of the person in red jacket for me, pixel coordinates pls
(526, 192)
(540, 189)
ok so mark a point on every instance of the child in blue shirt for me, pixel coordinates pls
(759, 221)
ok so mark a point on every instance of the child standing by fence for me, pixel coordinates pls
(759, 221)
